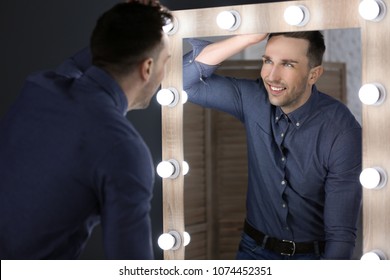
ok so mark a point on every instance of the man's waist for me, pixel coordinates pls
(283, 246)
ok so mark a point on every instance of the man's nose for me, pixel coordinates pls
(274, 73)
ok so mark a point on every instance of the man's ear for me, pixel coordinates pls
(315, 74)
(146, 69)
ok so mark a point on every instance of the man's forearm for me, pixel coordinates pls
(218, 52)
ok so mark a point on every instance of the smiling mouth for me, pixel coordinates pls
(276, 90)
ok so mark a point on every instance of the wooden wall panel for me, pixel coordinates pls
(195, 200)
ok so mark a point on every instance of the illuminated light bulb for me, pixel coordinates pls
(167, 97)
(166, 241)
(168, 27)
(165, 169)
(229, 20)
(187, 238)
(373, 178)
(185, 167)
(375, 255)
(296, 15)
(373, 10)
(171, 26)
(168, 169)
(169, 241)
(372, 94)
(184, 97)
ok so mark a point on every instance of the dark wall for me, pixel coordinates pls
(40, 34)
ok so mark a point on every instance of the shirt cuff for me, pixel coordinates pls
(338, 250)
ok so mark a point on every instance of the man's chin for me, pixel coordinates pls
(274, 100)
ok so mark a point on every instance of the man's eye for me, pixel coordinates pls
(289, 65)
(267, 61)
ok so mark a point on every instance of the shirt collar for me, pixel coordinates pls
(300, 115)
(103, 79)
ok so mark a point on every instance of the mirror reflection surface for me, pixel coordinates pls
(215, 146)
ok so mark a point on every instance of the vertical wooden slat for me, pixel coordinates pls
(195, 181)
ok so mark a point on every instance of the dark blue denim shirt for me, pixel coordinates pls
(303, 167)
(70, 159)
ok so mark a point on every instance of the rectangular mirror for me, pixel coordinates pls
(215, 146)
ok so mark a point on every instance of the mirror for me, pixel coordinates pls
(215, 146)
(256, 18)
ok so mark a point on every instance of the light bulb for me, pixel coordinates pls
(168, 27)
(229, 20)
(373, 178)
(165, 169)
(374, 255)
(167, 97)
(184, 97)
(187, 238)
(171, 26)
(166, 241)
(373, 10)
(296, 15)
(168, 169)
(169, 241)
(372, 94)
(185, 167)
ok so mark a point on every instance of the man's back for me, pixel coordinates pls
(57, 146)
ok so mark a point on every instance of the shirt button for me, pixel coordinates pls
(297, 124)
(282, 135)
(277, 118)
(283, 182)
(284, 205)
(283, 159)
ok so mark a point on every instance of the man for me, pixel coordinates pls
(304, 147)
(69, 158)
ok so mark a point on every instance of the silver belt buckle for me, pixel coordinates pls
(293, 248)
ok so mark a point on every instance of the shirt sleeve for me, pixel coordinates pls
(75, 66)
(193, 71)
(343, 195)
(208, 89)
(125, 178)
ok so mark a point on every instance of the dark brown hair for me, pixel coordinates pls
(316, 48)
(126, 34)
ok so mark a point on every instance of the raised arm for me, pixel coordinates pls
(217, 52)
(213, 91)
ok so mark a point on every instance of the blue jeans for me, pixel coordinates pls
(249, 250)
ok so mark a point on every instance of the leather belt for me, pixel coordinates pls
(283, 247)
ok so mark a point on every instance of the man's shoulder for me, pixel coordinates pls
(336, 113)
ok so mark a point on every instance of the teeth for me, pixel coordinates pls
(277, 88)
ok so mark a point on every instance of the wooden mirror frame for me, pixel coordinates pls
(258, 18)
